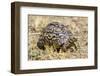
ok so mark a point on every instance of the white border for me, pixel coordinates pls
(25, 64)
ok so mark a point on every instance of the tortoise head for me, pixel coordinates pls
(40, 44)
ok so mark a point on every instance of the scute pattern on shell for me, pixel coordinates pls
(58, 36)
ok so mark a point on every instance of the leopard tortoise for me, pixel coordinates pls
(58, 36)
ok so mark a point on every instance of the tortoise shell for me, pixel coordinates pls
(58, 36)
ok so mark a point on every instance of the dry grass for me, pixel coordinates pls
(78, 26)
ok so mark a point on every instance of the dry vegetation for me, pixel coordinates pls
(78, 26)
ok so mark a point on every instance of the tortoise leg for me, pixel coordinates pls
(63, 48)
(58, 50)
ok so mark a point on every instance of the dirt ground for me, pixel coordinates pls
(77, 25)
